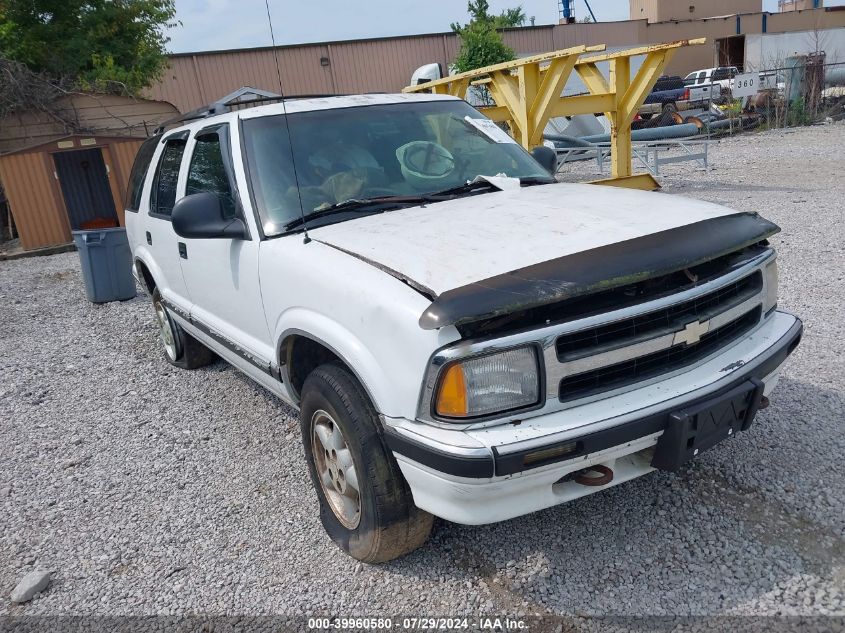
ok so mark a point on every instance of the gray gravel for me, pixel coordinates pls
(150, 490)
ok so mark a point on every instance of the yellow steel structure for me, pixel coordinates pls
(528, 91)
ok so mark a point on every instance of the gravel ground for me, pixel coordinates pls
(150, 490)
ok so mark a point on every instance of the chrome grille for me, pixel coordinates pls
(651, 324)
(656, 363)
(623, 352)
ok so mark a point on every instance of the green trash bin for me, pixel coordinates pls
(106, 264)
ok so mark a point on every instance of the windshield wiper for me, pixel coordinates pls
(385, 203)
(365, 205)
(479, 185)
(468, 187)
(536, 180)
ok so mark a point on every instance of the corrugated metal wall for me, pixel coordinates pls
(106, 115)
(385, 65)
(36, 199)
(662, 10)
(36, 205)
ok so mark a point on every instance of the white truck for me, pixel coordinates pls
(721, 79)
(462, 336)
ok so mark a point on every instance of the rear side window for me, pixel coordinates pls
(208, 172)
(138, 175)
(720, 74)
(163, 195)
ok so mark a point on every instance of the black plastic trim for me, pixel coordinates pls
(512, 463)
(449, 463)
(264, 366)
(598, 269)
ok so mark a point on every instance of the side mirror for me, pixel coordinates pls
(547, 158)
(200, 215)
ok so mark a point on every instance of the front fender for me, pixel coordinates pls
(346, 345)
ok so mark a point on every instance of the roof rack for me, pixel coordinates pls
(239, 99)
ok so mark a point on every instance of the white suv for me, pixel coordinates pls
(462, 336)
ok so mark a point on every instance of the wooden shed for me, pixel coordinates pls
(68, 172)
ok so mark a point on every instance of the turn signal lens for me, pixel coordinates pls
(489, 384)
(452, 396)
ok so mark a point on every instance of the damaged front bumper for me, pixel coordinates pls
(495, 473)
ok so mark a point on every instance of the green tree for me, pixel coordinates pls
(481, 43)
(510, 18)
(91, 43)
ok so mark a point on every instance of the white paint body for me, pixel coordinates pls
(256, 292)
(764, 51)
(704, 77)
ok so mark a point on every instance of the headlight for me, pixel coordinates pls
(771, 298)
(489, 384)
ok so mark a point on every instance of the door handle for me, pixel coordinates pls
(149, 239)
(183, 250)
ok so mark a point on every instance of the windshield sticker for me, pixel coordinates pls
(490, 130)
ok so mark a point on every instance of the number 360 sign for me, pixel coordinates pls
(746, 85)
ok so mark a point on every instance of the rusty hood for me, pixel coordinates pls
(482, 255)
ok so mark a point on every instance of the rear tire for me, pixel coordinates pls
(366, 506)
(180, 348)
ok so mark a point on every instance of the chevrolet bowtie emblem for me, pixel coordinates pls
(692, 333)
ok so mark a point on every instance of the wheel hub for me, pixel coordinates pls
(335, 469)
(166, 331)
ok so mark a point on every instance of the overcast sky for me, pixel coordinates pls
(218, 24)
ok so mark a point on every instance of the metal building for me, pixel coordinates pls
(666, 10)
(386, 64)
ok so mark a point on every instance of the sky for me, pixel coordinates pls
(220, 24)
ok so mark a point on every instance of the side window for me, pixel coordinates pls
(139, 173)
(702, 77)
(208, 170)
(163, 195)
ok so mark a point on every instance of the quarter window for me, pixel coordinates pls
(163, 195)
(207, 172)
(139, 173)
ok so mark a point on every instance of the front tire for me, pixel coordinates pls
(366, 506)
(180, 348)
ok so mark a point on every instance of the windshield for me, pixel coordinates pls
(405, 149)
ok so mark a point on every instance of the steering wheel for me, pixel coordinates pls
(428, 159)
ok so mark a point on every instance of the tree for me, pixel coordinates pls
(94, 44)
(481, 43)
(510, 18)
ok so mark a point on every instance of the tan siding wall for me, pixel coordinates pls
(109, 115)
(643, 9)
(662, 10)
(386, 64)
(31, 189)
(530, 41)
(797, 5)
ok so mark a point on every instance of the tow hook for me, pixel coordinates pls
(594, 476)
(764, 403)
